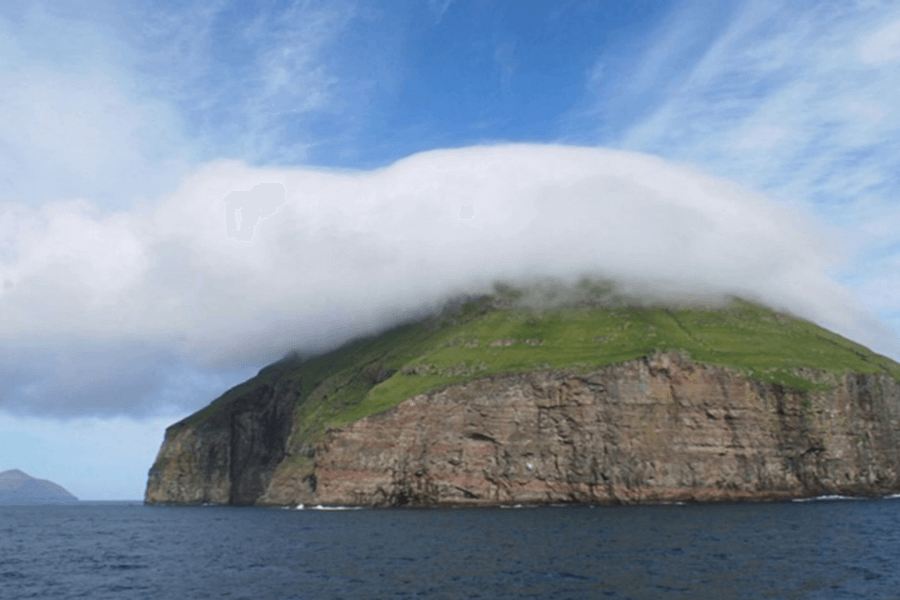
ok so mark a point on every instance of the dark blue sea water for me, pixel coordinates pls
(828, 549)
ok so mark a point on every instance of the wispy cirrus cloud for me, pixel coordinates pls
(117, 102)
(798, 101)
(253, 81)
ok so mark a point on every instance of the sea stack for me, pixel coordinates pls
(17, 487)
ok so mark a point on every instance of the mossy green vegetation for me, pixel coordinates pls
(491, 335)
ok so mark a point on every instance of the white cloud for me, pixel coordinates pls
(117, 103)
(69, 109)
(251, 81)
(781, 101)
(796, 101)
(883, 46)
(352, 252)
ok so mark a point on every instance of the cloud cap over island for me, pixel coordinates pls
(115, 312)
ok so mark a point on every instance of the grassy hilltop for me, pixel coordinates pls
(500, 334)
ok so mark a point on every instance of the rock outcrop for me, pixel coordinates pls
(657, 429)
(17, 487)
(229, 456)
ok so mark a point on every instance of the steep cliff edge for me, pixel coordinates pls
(472, 410)
(229, 455)
(660, 429)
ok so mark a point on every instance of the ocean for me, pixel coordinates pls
(819, 549)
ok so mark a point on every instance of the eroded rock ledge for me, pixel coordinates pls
(657, 429)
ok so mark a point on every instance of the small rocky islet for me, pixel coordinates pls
(501, 401)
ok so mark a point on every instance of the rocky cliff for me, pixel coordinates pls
(658, 428)
(229, 456)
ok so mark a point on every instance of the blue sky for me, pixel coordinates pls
(679, 146)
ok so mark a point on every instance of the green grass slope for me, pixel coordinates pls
(488, 335)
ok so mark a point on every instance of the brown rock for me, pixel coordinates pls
(651, 430)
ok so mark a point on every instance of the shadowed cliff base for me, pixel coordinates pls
(504, 400)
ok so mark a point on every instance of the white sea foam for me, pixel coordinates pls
(826, 497)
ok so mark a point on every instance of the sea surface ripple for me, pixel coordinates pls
(827, 549)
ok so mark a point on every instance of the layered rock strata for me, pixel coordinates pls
(651, 430)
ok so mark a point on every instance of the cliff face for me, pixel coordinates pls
(657, 429)
(229, 456)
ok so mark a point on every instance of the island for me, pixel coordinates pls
(502, 400)
(20, 488)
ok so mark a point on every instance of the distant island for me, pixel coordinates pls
(17, 487)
